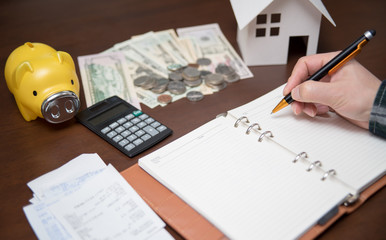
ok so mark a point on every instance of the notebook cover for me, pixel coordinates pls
(190, 224)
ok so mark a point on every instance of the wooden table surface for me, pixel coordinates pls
(30, 149)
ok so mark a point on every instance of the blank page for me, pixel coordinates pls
(247, 189)
(357, 156)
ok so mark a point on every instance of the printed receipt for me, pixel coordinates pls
(100, 206)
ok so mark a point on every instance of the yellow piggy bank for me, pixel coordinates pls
(43, 82)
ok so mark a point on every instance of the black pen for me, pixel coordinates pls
(333, 65)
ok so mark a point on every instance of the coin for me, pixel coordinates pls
(161, 85)
(204, 61)
(194, 83)
(214, 79)
(176, 87)
(175, 76)
(232, 78)
(191, 74)
(164, 98)
(140, 81)
(174, 67)
(224, 69)
(194, 96)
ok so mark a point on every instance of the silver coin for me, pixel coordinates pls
(217, 87)
(214, 79)
(193, 83)
(161, 85)
(204, 61)
(176, 87)
(194, 96)
(140, 81)
(191, 74)
(224, 69)
(232, 78)
(149, 84)
(174, 67)
(175, 76)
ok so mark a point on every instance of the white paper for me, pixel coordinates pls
(71, 170)
(107, 207)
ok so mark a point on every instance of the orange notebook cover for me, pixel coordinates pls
(191, 225)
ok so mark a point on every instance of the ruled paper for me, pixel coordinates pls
(247, 189)
(357, 156)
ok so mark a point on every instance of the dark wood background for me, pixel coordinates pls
(30, 149)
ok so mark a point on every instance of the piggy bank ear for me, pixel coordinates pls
(65, 58)
(22, 69)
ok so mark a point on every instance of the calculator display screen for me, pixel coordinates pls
(109, 114)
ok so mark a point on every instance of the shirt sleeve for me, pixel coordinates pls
(377, 123)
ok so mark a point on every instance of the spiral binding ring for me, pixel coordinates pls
(239, 120)
(251, 126)
(302, 154)
(328, 173)
(312, 165)
(263, 135)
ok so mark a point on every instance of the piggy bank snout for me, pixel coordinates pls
(60, 107)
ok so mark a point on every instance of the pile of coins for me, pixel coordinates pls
(180, 77)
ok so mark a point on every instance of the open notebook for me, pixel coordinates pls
(297, 175)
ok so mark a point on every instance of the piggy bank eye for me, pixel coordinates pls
(34, 93)
(72, 82)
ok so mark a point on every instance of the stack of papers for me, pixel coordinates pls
(85, 199)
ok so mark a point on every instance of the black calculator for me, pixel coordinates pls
(123, 125)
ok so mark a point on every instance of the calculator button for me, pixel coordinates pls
(132, 137)
(155, 124)
(123, 142)
(129, 147)
(112, 134)
(119, 129)
(134, 128)
(137, 113)
(146, 137)
(143, 116)
(128, 124)
(114, 125)
(105, 130)
(161, 128)
(141, 124)
(117, 138)
(138, 141)
(129, 116)
(122, 121)
(125, 133)
(150, 130)
(139, 133)
(135, 120)
(149, 120)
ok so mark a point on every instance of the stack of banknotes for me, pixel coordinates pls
(161, 56)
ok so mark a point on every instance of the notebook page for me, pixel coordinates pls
(247, 189)
(357, 156)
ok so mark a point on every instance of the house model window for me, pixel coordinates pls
(262, 25)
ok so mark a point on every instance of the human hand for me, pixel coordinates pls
(350, 91)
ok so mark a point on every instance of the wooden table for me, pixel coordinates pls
(30, 149)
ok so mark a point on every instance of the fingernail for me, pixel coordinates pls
(295, 93)
(310, 111)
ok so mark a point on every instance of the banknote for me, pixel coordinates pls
(212, 42)
(105, 75)
(151, 54)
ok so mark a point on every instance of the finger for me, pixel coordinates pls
(305, 67)
(314, 92)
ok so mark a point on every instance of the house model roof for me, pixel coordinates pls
(246, 10)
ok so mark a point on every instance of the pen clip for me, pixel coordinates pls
(349, 57)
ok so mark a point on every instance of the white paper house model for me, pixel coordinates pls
(266, 26)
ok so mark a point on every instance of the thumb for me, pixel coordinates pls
(313, 92)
